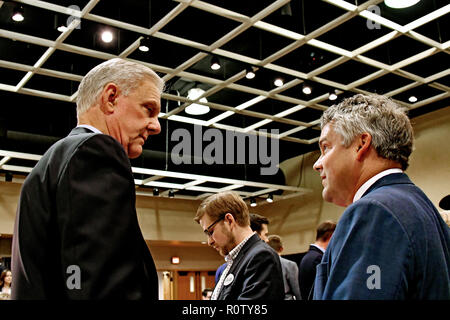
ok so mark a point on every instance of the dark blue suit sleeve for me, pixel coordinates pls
(367, 257)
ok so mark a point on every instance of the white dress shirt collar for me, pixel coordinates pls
(89, 127)
(372, 180)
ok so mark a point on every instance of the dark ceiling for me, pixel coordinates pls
(330, 45)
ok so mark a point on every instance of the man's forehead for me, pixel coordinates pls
(324, 134)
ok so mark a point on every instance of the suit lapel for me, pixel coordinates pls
(236, 263)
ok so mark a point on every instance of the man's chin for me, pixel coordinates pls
(134, 151)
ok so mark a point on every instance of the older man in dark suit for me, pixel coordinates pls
(253, 269)
(390, 243)
(76, 233)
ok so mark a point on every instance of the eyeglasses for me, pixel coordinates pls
(208, 232)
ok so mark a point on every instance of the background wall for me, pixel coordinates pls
(168, 223)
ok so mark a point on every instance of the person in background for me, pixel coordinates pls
(309, 262)
(5, 284)
(290, 270)
(76, 234)
(253, 269)
(259, 224)
(391, 242)
(206, 294)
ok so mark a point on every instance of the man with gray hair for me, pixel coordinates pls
(390, 242)
(76, 234)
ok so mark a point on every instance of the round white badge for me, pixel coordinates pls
(229, 279)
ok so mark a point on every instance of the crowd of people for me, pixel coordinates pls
(77, 210)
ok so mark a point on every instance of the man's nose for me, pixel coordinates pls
(318, 164)
(154, 127)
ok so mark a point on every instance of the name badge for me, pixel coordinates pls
(229, 279)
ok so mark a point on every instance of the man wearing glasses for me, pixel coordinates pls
(253, 269)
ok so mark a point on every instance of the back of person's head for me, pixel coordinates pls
(257, 221)
(325, 230)
(221, 203)
(387, 123)
(125, 74)
(205, 293)
(275, 242)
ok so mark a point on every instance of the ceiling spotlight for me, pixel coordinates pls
(252, 202)
(107, 36)
(171, 193)
(278, 82)
(155, 192)
(306, 89)
(195, 108)
(250, 74)
(400, 4)
(332, 96)
(269, 198)
(215, 64)
(18, 14)
(412, 99)
(62, 28)
(144, 44)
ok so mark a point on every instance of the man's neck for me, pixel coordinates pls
(95, 118)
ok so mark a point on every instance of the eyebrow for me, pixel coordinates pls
(322, 141)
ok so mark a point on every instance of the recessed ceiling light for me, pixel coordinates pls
(62, 28)
(18, 14)
(306, 89)
(144, 44)
(412, 99)
(250, 74)
(332, 96)
(215, 64)
(278, 82)
(107, 36)
(400, 4)
(195, 108)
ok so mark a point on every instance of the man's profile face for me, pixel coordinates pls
(263, 233)
(336, 167)
(221, 239)
(135, 118)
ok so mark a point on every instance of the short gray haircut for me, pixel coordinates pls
(125, 74)
(387, 123)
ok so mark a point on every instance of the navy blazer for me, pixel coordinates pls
(76, 234)
(257, 274)
(307, 271)
(390, 244)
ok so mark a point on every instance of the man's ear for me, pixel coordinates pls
(363, 145)
(108, 97)
(229, 218)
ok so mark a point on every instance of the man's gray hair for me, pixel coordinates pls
(125, 74)
(387, 123)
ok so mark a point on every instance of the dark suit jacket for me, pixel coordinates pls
(390, 244)
(76, 221)
(307, 271)
(257, 274)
